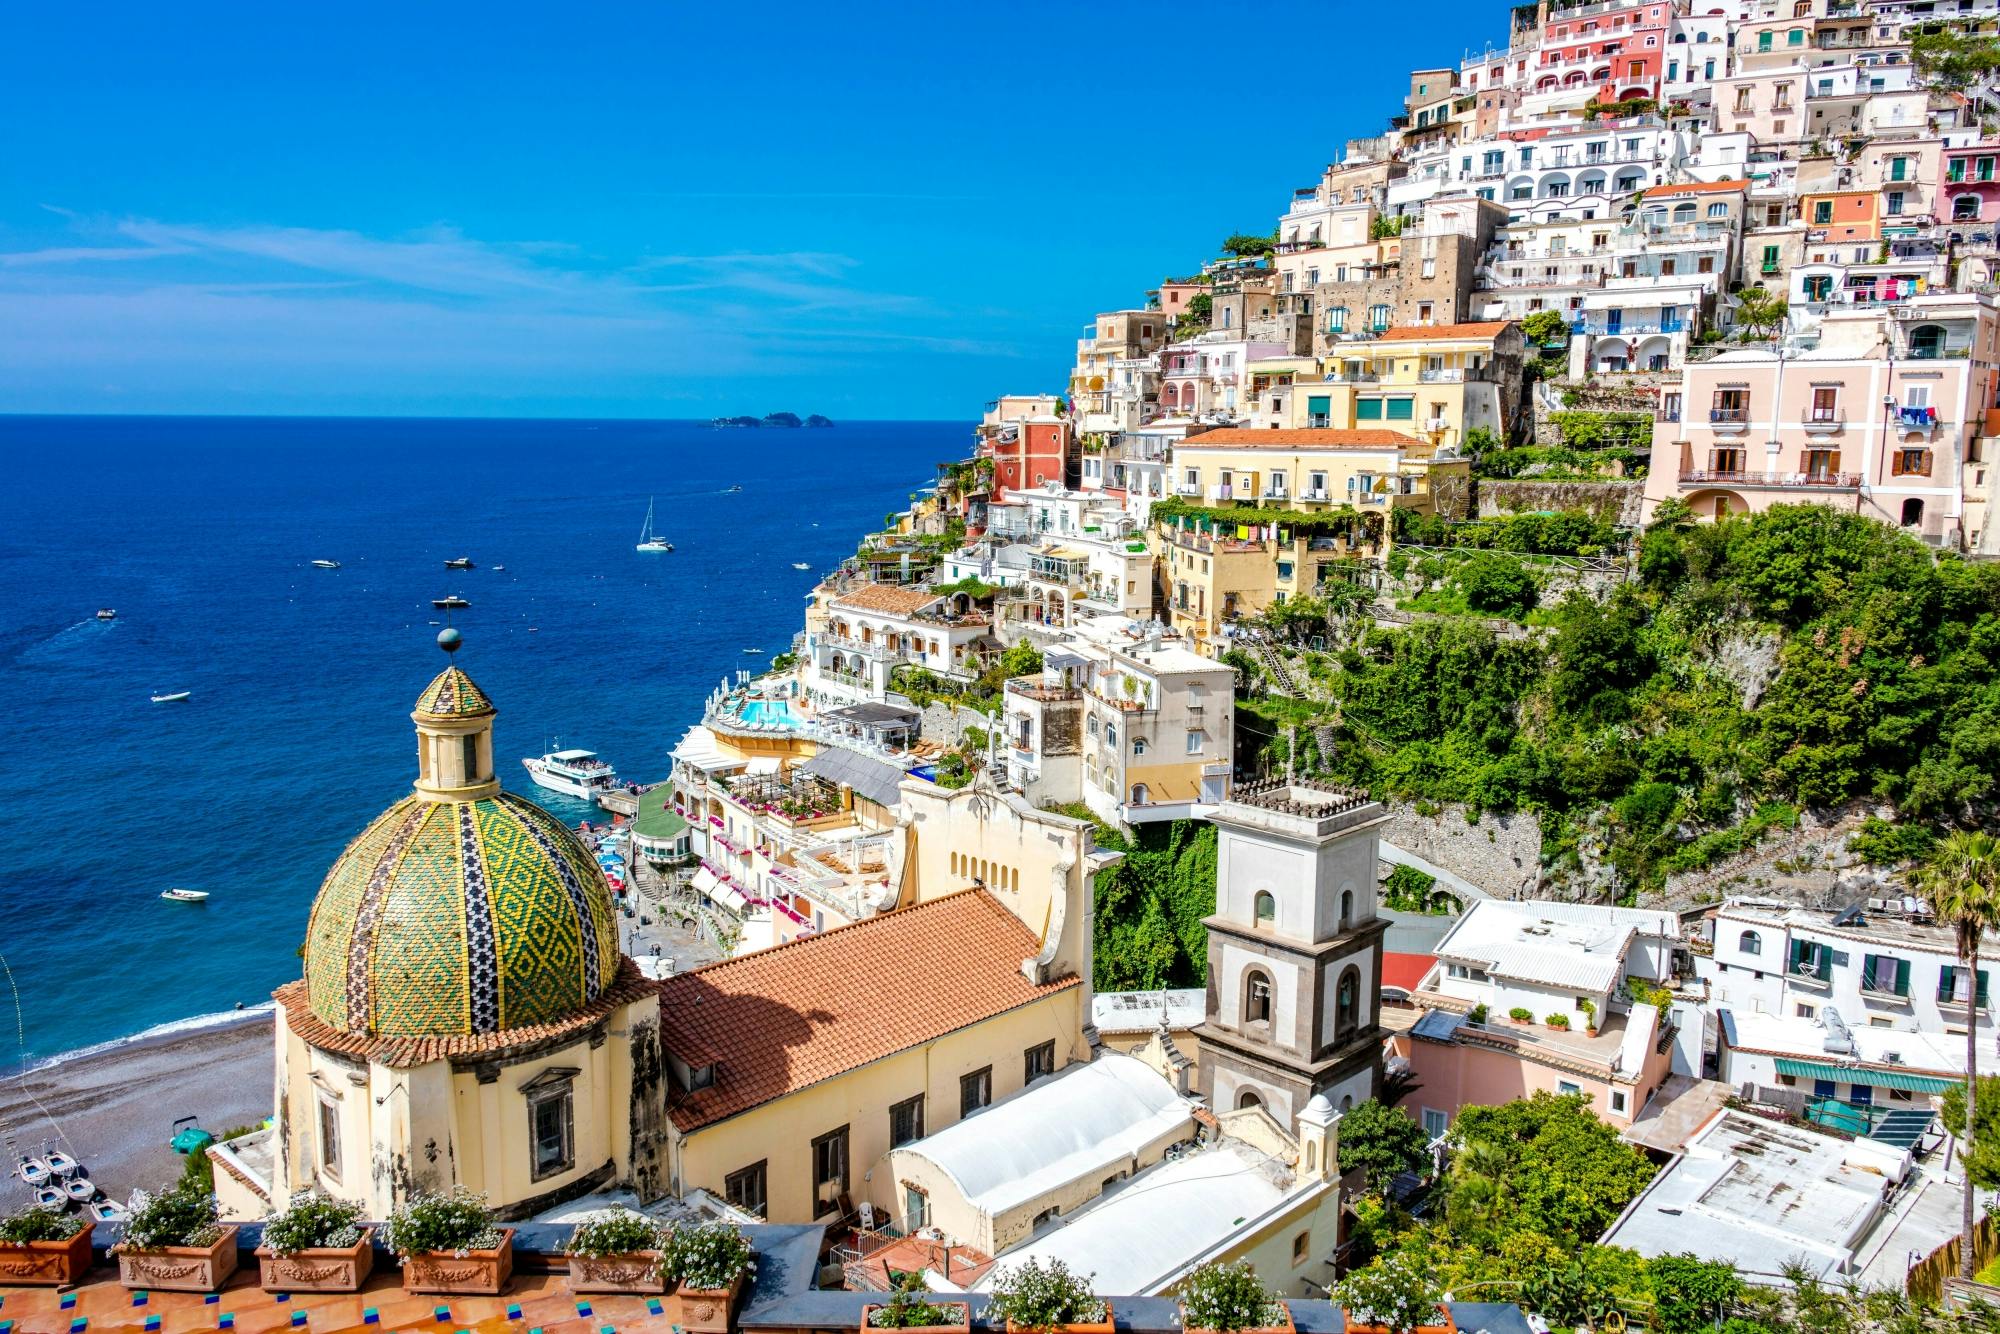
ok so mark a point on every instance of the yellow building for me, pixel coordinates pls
(1432, 382)
(466, 1017)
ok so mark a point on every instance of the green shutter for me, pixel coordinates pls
(1319, 403)
(1902, 977)
(1898, 168)
(1982, 989)
(1770, 254)
(1368, 410)
(1945, 976)
(1402, 409)
(1763, 41)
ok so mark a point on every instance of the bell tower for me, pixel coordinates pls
(1294, 951)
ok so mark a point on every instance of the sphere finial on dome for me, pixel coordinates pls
(450, 640)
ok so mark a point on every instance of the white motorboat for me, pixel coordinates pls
(185, 895)
(451, 603)
(62, 1164)
(326, 565)
(800, 565)
(460, 563)
(577, 773)
(173, 697)
(107, 613)
(757, 651)
(648, 539)
(32, 1170)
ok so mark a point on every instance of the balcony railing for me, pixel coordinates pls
(1187, 488)
(1825, 421)
(1222, 493)
(1729, 419)
(1828, 481)
(1274, 493)
(1317, 493)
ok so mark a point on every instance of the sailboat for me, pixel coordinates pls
(648, 539)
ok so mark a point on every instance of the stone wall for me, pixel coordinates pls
(1502, 854)
(946, 723)
(1617, 502)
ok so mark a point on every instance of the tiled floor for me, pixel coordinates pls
(533, 1302)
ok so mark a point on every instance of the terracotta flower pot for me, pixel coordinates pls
(1283, 1326)
(706, 1310)
(959, 1326)
(318, 1268)
(46, 1264)
(1084, 1327)
(638, 1271)
(181, 1268)
(1443, 1325)
(474, 1274)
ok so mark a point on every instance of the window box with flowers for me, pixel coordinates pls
(173, 1243)
(316, 1245)
(1037, 1300)
(709, 1263)
(41, 1248)
(907, 1311)
(1230, 1299)
(449, 1244)
(617, 1251)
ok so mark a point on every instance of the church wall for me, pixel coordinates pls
(1269, 1247)
(491, 1121)
(780, 1133)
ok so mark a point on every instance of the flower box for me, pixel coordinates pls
(1283, 1326)
(1083, 1327)
(181, 1268)
(473, 1274)
(318, 1268)
(959, 1326)
(46, 1264)
(639, 1271)
(706, 1310)
(1444, 1325)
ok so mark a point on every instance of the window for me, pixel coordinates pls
(1568, 1086)
(1796, 37)
(1436, 1123)
(1953, 986)
(329, 1136)
(1368, 409)
(906, 1122)
(1825, 404)
(1895, 203)
(1618, 1100)
(1378, 318)
(1764, 41)
(1039, 1061)
(1256, 997)
(550, 1123)
(1266, 908)
(1302, 1247)
(1336, 319)
(746, 1189)
(1194, 742)
(1347, 1005)
(1750, 943)
(1402, 409)
(1138, 746)
(1910, 463)
(1822, 210)
(829, 1169)
(468, 755)
(1885, 974)
(1899, 169)
(975, 1091)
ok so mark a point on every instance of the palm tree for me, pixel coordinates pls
(1961, 881)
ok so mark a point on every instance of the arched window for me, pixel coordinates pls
(1267, 908)
(1256, 997)
(1346, 906)
(1913, 512)
(1347, 1005)
(1110, 734)
(1138, 745)
(1965, 208)
(1091, 726)
(1927, 341)
(1248, 1098)
(1139, 794)
(1750, 943)
(1718, 210)
(1683, 212)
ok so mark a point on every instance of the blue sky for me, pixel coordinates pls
(661, 210)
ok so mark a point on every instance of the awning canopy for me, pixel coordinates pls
(762, 764)
(1852, 1074)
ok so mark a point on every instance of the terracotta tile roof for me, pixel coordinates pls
(400, 1052)
(1240, 437)
(1692, 188)
(895, 599)
(1405, 970)
(783, 1019)
(1407, 333)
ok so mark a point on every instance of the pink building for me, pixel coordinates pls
(1887, 416)
(1970, 190)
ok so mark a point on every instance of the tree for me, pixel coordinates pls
(1982, 1152)
(1955, 60)
(1400, 1291)
(1496, 583)
(1382, 1142)
(1760, 311)
(1194, 319)
(1691, 1293)
(1545, 327)
(1542, 1164)
(1243, 245)
(1961, 881)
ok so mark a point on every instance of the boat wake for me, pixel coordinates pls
(62, 641)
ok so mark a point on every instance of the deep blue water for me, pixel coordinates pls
(199, 532)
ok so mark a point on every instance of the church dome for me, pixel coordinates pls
(461, 909)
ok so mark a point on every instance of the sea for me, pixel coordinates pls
(199, 532)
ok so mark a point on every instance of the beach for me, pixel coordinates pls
(114, 1107)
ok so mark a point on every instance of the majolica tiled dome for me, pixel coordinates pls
(453, 695)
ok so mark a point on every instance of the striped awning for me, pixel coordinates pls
(1851, 1074)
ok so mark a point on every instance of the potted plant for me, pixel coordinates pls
(907, 1310)
(617, 1251)
(1589, 1009)
(315, 1244)
(41, 1247)
(173, 1243)
(1521, 1014)
(449, 1244)
(1557, 1020)
(709, 1262)
(1030, 1297)
(1398, 1294)
(1221, 1298)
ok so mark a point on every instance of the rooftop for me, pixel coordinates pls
(1554, 944)
(783, 1019)
(657, 819)
(1864, 1045)
(1146, 1011)
(1442, 332)
(1238, 437)
(890, 599)
(1693, 188)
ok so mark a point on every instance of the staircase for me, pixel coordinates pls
(1274, 663)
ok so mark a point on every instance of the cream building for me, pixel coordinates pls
(465, 1018)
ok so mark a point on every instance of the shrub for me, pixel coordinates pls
(457, 1223)
(1589, 1009)
(1382, 1142)
(1496, 583)
(1038, 1298)
(177, 1217)
(1557, 1020)
(709, 1257)
(1522, 1013)
(39, 1223)
(312, 1221)
(1477, 1014)
(1227, 1297)
(1880, 843)
(616, 1232)
(905, 1309)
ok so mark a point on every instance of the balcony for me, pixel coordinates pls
(1821, 481)
(1314, 493)
(1436, 423)
(1275, 493)
(1729, 421)
(1916, 421)
(1825, 421)
(1029, 687)
(1222, 492)
(1187, 489)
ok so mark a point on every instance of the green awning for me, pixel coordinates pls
(1848, 1074)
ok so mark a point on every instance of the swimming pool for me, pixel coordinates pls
(768, 713)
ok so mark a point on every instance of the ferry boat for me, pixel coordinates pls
(576, 773)
(648, 539)
(452, 603)
(326, 565)
(461, 563)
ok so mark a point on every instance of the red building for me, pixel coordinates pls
(1027, 454)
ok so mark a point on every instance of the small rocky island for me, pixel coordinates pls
(774, 419)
